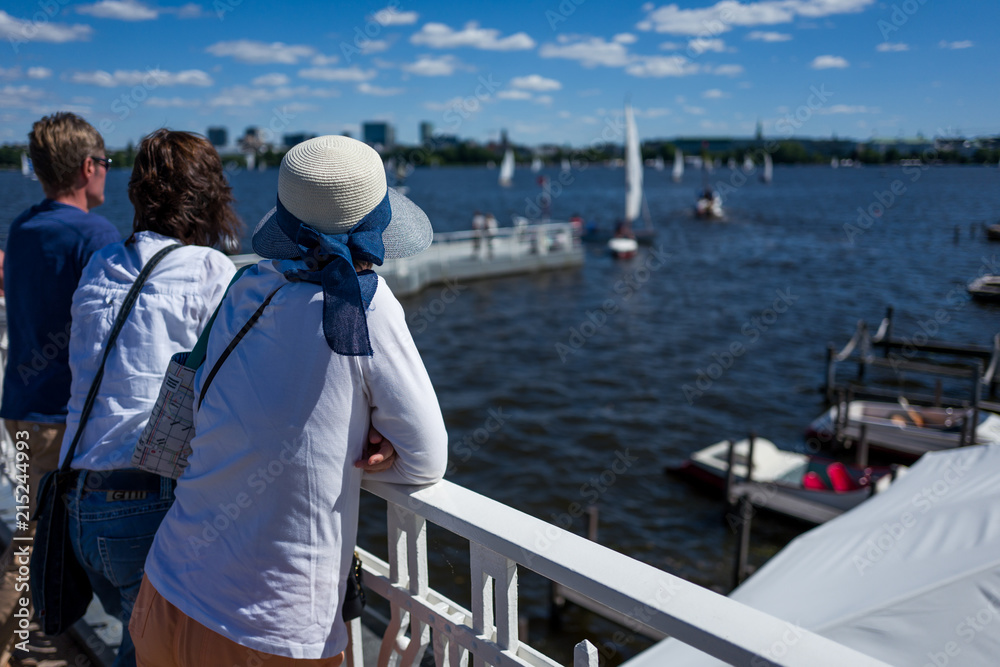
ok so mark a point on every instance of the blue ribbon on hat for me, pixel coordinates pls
(330, 257)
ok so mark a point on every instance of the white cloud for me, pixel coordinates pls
(39, 72)
(189, 11)
(341, 74)
(271, 80)
(440, 36)
(671, 46)
(728, 70)
(591, 51)
(653, 112)
(120, 10)
(432, 66)
(10, 73)
(714, 94)
(766, 36)
(847, 109)
(625, 38)
(964, 44)
(320, 60)
(172, 103)
(829, 62)
(660, 66)
(695, 111)
(368, 89)
(17, 31)
(392, 16)
(246, 96)
(20, 97)
(513, 95)
(151, 78)
(701, 45)
(535, 82)
(565, 114)
(726, 14)
(374, 46)
(889, 47)
(261, 53)
(544, 99)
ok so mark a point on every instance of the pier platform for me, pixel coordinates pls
(466, 256)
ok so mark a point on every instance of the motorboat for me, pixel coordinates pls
(802, 480)
(993, 232)
(986, 288)
(623, 247)
(904, 430)
(709, 205)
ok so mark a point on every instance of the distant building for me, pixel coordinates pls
(378, 133)
(218, 136)
(290, 140)
(426, 133)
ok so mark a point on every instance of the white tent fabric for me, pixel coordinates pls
(910, 576)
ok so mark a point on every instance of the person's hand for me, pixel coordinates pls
(378, 454)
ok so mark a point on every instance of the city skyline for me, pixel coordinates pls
(553, 72)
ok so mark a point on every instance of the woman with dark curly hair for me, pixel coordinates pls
(181, 198)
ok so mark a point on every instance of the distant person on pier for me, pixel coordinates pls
(478, 229)
(491, 231)
(283, 422)
(47, 247)
(181, 197)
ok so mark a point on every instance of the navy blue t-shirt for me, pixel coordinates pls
(47, 247)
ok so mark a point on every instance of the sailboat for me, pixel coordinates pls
(678, 173)
(565, 165)
(624, 243)
(748, 164)
(768, 172)
(507, 169)
(251, 161)
(658, 163)
(27, 169)
(536, 164)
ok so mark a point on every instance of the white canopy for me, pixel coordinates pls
(910, 576)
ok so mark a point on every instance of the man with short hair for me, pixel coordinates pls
(47, 247)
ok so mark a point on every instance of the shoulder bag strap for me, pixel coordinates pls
(197, 356)
(239, 336)
(127, 304)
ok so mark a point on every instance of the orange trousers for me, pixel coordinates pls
(165, 636)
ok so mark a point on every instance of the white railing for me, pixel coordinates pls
(502, 538)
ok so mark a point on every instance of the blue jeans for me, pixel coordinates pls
(111, 539)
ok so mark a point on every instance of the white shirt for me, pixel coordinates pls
(170, 313)
(258, 543)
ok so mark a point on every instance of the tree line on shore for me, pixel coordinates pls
(782, 152)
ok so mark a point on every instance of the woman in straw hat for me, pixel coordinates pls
(250, 561)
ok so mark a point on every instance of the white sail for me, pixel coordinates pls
(251, 161)
(658, 163)
(536, 164)
(747, 163)
(633, 168)
(507, 168)
(27, 169)
(732, 163)
(678, 172)
(834, 163)
(565, 166)
(768, 169)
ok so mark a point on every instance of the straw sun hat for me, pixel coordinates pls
(331, 183)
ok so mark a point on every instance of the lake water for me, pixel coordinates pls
(595, 372)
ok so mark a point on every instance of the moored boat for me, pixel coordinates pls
(986, 288)
(903, 430)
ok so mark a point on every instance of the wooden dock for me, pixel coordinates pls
(462, 257)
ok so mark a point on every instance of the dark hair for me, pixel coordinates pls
(179, 190)
(58, 145)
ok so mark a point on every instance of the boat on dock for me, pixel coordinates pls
(985, 288)
(801, 486)
(894, 578)
(902, 430)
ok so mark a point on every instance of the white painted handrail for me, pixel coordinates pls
(500, 539)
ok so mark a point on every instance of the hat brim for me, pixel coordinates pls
(408, 233)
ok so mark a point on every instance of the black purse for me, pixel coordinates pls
(354, 596)
(60, 587)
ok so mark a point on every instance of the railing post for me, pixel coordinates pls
(407, 569)
(585, 655)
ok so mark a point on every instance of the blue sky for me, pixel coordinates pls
(555, 71)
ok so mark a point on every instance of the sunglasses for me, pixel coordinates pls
(105, 161)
